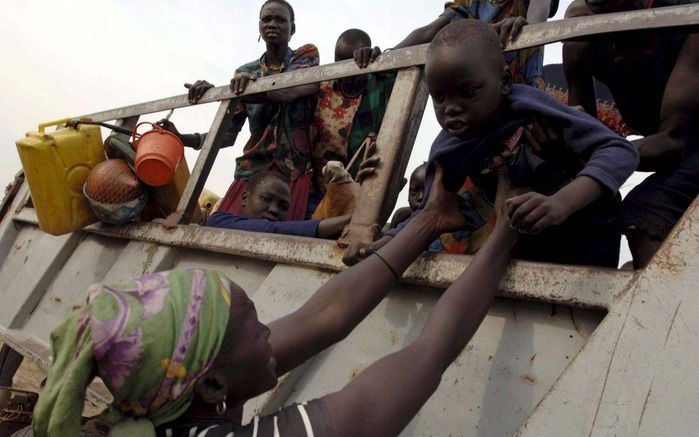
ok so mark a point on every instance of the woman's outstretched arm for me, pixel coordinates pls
(383, 399)
(345, 300)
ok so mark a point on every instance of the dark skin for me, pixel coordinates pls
(276, 29)
(416, 188)
(270, 200)
(508, 29)
(467, 95)
(660, 148)
(384, 397)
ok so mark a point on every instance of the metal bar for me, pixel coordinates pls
(583, 287)
(395, 132)
(205, 161)
(681, 18)
(403, 155)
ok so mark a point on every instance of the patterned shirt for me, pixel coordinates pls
(526, 65)
(279, 132)
(302, 420)
(342, 122)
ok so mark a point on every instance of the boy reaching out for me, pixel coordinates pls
(265, 205)
(569, 216)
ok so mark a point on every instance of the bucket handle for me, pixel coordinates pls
(135, 135)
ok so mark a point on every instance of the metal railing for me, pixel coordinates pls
(576, 286)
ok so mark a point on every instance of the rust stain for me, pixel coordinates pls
(57, 299)
(76, 307)
(531, 360)
(354, 373)
(529, 378)
(490, 358)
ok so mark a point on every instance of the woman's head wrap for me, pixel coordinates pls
(150, 340)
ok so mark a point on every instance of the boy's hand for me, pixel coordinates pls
(509, 29)
(370, 163)
(197, 90)
(443, 208)
(366, 55)
(240, 82)
(532, 212)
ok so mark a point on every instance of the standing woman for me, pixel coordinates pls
(279, 120)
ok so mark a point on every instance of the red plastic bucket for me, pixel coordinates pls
(158, 153)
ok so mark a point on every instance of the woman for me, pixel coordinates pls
(182, 351)
(280, 121)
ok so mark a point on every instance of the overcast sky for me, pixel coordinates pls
(68, 58)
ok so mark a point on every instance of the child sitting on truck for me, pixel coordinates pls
(265, 204)
(569, 214)
(416, 188)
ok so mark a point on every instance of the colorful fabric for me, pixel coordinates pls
(527, 64)
(279, 132)
(150, 340)
(299, 208)
(343, 123)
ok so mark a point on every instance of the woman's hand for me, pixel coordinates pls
(509, 29)
(197, 90)
(240, 82)
(366, 55)
(445, 209)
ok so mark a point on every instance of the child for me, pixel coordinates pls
(349, 110)
(415, 191)
(569, 217)
(265, 205)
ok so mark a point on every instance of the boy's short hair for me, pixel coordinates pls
(257, 178)
(476, 38)
(354, 38)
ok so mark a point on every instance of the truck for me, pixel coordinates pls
(564, 350)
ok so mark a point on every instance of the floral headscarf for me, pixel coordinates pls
(150, 340)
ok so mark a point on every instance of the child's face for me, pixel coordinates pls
(466, 90)
(416, 187)
(269, 200)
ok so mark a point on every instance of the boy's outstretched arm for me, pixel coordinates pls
(345, 300)
(533, 212)
(386, 396)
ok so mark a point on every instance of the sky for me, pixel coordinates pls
(69, 58)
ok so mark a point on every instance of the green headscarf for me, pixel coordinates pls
(150, 340)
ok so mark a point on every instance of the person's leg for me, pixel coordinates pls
(652, 209)
(642, 247)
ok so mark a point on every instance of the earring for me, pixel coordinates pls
(221, 407)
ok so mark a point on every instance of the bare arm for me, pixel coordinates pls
(332, 227)
(339, 305)
(386, 396)
(679, 113)
(538, 11)
(576, 64)
(424, 34)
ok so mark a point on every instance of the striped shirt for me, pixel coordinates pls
(299, 420)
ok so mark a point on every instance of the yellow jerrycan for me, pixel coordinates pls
(56, 165)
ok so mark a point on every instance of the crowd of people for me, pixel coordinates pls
(513, 172)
